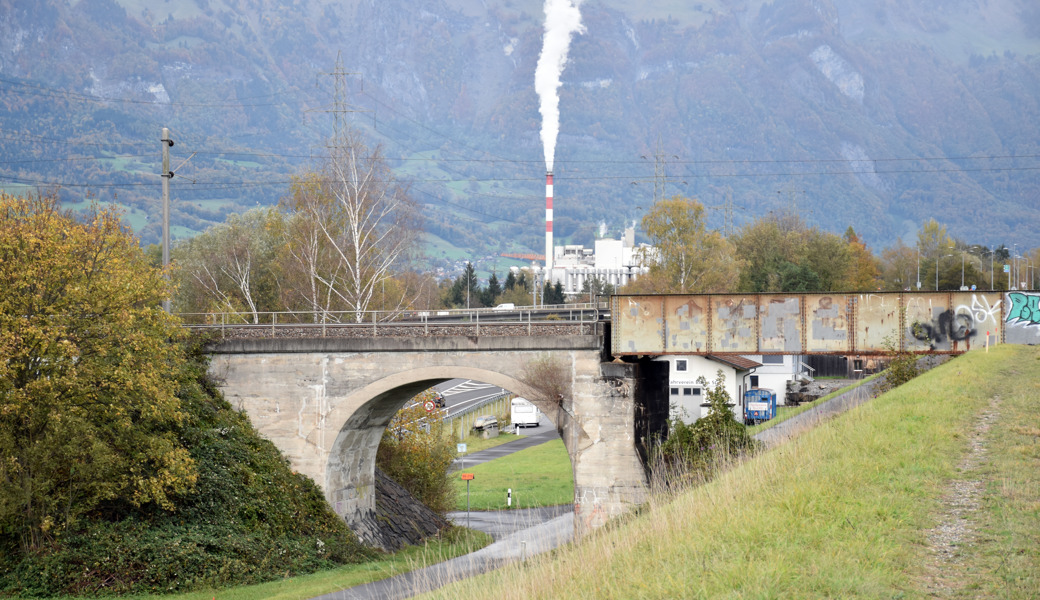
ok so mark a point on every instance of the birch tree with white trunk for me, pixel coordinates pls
(229, 266)
(365, 226)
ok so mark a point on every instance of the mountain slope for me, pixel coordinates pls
(874, 114)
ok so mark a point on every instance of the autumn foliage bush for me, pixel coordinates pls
(417, 453)
(122, 470)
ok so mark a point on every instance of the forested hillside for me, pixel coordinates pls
(875, 114)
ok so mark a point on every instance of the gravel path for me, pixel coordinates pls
(944, 571)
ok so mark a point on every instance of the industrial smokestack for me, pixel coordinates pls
(548, 221)
(562, 21)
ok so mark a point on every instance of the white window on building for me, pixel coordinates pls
(675, 391)
(772, 359)
(691, 391)
(680, 364)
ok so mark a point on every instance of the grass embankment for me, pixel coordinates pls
(845, 510)
(538, 476)
(309, 586)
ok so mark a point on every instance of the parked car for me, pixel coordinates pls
(438, 399)
(484, 422)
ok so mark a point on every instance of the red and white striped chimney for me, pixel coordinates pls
(548, 221)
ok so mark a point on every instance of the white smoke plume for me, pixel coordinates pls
(562, 21)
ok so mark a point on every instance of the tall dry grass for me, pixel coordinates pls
(840, 511)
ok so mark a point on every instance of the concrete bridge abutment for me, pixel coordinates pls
(325, 403)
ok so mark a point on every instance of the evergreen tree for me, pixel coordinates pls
(510, 281)
(552, 294)
(491, 292)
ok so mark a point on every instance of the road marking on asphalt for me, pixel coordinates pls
(466, 386)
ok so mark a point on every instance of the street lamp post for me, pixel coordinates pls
(937, 269)
(962, 271)
(991, 253)
(1014, 267)
(918, 266)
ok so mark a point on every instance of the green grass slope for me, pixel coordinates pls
(929, 490)
(538, 476)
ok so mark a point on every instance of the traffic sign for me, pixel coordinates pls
(460, 448)
(429, 405)
(467, 476)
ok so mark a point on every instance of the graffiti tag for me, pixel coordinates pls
(983, 311)
(1024, 307)
(948, 325)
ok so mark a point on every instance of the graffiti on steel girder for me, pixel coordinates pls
(948, 325)
(981, 309)
(1025, 308)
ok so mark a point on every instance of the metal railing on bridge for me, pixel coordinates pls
(562, 319)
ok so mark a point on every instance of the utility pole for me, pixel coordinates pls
(339, 106)
(659, 176)
(167, 174)
(792, 201)
(727, 219)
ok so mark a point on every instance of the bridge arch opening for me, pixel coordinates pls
(303, 394)
(364, 416)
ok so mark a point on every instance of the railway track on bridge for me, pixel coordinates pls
(562, 320)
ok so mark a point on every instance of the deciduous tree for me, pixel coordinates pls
(370, 223)
(688, 258)
(87, 404)
(935, 245)
(782, 254)
(864, 269)
(232, 266)
(899, 265)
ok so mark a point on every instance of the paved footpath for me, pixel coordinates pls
(517, 533)
(523, 442)
(515, 546)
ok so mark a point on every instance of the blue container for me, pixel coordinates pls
(759, 405)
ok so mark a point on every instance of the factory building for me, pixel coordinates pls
(611, 261)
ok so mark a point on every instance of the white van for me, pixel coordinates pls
(523, 413)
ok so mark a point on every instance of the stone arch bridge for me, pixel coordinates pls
(326, 401)
(325, 397)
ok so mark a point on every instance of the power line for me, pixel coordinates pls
(73, 159)
(49, 92)
(254, 183)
